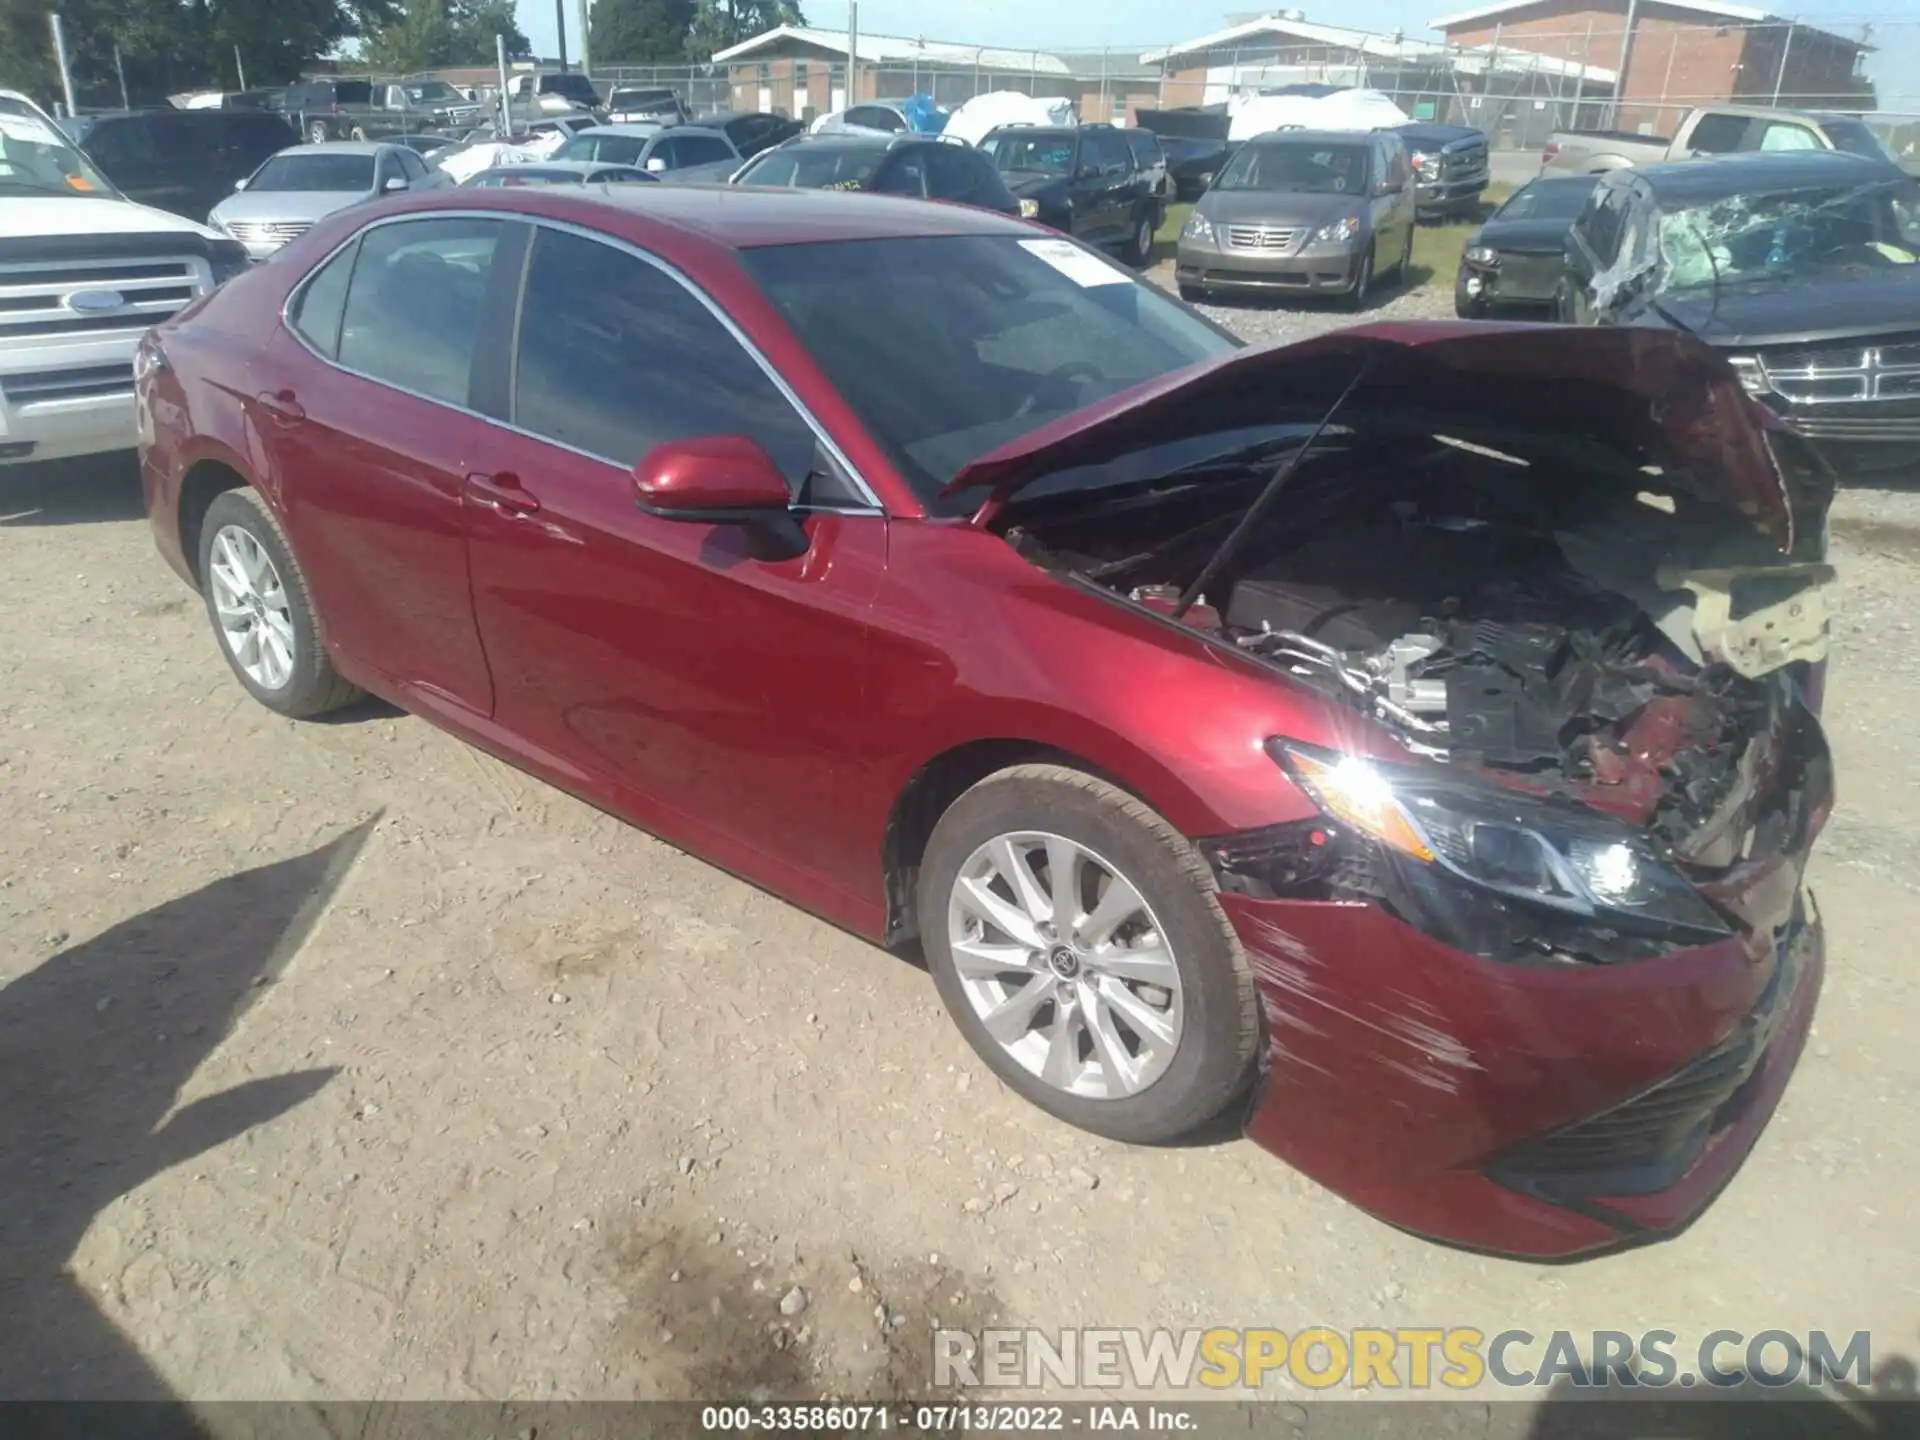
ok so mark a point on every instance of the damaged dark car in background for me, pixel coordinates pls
(1802, 268)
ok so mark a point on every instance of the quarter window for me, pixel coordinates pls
(614, 357)
(1718, 134)
(315, 312)
(413, 309)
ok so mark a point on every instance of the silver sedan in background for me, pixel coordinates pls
(305, 183)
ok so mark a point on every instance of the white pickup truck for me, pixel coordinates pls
(84, 274)
(1708, 131)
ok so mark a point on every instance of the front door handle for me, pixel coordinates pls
(281, 405)
(503, 492)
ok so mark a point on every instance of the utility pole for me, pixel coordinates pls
(560, 29)
(60, 55)
(1626, 56)
(585, 64)
(506, 105)
(853, 52)
(121, 71)
(239, 67)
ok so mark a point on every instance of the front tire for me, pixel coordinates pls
(1362, 283)
(1075, 938)
(317, 133)
(357, 133)
(262, 612)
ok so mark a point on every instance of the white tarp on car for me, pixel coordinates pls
(1007, 107)
(1342, 110)
(462, 165)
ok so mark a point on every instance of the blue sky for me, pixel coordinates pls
(1149, 24)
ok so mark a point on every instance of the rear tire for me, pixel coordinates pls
(262, 611)
(317, 132)
(358, 132)
(1142, 1025)
(1139, 250)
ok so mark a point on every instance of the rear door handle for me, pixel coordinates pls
(503, 492)
(281, 405)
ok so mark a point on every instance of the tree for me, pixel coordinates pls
(640, 32)
(426, 34)
(720, 23)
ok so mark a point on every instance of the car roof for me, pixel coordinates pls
(640, 129)
(1726, 175)
(1309, 137)
(341, 147)
(733, 217)
(555, 167)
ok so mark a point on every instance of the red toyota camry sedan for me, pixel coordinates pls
(1403, 741)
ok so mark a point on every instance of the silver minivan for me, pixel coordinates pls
(1309, 212)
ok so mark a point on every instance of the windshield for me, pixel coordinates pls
(431, 92)
(819, 167)
(572, 87)
(1548, 200)
(35, 158)
(1857, 138)
(1297, 169)
(1748, 238)
(1047, 154)
(948, 347)
(314, 173)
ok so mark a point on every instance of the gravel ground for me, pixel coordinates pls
(342, 1061)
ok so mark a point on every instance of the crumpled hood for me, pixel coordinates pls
(1523, 237)
(1425, 135)
(1832, 304)
(1537, 392)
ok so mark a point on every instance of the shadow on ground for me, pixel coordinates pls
(96, 1044)
(72, 492)
(1885, 1406)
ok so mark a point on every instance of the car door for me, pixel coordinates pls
(1113, 186)
(661, 658)
(363, 409)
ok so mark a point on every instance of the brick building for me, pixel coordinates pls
(803, 71)
(1679, 55)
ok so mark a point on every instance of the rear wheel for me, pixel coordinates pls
(1075, 939)
(359, 132)
(317, 132)
(1139, 247)
(261, 609)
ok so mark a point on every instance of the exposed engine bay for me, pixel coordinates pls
(1624, 642)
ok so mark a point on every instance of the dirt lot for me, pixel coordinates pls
(338, 1060)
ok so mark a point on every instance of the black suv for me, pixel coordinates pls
(186, 161)
(1080, 179)
(922, 166)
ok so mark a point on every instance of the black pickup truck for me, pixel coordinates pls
(370, 109)
(1082, 180)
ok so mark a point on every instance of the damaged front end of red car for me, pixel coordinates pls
(1537, 966)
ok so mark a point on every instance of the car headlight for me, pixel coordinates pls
(1552, 854)
(1198, 227)
(1421, 161)
(1339, 232)
(1482, 255)
(228, 258)
(1753, 378)
(1029, 209)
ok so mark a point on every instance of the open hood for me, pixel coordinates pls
(1545, 394)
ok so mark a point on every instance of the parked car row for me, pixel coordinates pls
(1802, 267)
(1385, 822)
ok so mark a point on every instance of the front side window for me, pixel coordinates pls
(413, 308)
(1107, 153)
(1776, 135)
(315, 171)
(906, 174)
(615, 356)
(950, 176)
(1297, 169)
(950, 346)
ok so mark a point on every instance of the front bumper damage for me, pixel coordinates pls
(1542, 1110)
(1313, 272)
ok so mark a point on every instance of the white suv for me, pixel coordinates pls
(84, 273)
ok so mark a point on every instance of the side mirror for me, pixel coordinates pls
(721, 480)
(241, 183)
(395, 184)
(656, 165)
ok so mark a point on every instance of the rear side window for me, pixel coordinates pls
(615, 357)
(316, 310)
(952, 174)
(1775, 135)
(703, 150)
(413, 309)
(1146, 149)
(1105, 150)
(1719, 134)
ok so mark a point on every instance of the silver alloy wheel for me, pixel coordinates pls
(1065, 965)
(1143, 241)
(256, 621)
